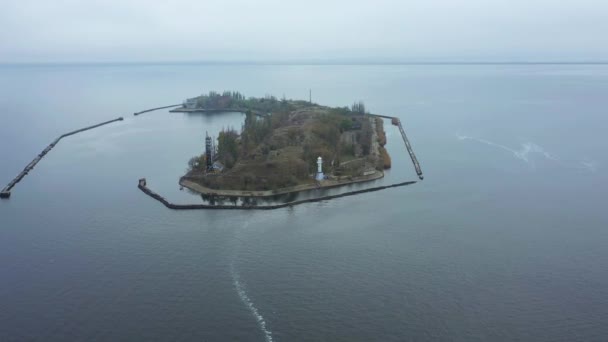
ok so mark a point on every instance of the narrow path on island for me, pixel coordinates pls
(241, 287)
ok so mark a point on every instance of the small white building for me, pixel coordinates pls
(320, 175)
(217, 166)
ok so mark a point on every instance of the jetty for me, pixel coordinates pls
(6, 191)
(409, 149)
(397, 122)
(157, 108)
(142, 185)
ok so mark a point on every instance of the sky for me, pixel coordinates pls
(34, 31)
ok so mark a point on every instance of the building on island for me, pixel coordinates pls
(320, 175)
(190, 103)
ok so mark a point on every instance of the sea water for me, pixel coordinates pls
(505, 239)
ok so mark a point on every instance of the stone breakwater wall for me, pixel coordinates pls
(395, 121)
(6, 192)
(157, 108)
(410, 150)
(143, 187)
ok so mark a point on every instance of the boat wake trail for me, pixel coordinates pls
(523, 153)
(241, 290)
(529, 148)
(589, 165)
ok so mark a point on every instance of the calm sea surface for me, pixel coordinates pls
(505, 239)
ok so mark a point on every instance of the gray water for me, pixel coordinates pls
(505, 239)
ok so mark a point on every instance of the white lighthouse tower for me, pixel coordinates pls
(319, 169)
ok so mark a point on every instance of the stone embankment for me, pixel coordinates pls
(143, 187)
(395, 121)
(193, 185)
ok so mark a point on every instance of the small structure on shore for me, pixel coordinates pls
(320, 175)
(208, 153)
(190, 103)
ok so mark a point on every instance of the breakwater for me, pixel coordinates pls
(157, 108)
(395, 121)
(143, 187)
(6, 191)
(410, 150)
(89, 128)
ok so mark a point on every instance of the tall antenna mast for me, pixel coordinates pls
(310, 96)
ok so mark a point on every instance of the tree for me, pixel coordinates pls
(358, 107)
(227, 147)
(196, 163)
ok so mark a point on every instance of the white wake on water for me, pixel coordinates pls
(526, 150)
(241, 290)
(589, 165)
(523, 153)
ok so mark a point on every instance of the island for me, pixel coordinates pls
(284, 146)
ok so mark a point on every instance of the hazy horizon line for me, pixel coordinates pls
(309, 62)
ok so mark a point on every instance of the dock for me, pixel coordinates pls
(6, 191)
(157, 108)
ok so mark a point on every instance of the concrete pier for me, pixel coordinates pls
(157, 108)
(6, 191)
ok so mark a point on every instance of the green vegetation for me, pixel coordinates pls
(280, 141)
(196, 163)
(228, 149)
(234, 100)
(385, 160)
(358, 107)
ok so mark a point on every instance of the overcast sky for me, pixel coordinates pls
(274, 30)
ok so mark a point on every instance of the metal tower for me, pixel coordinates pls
(208, 153)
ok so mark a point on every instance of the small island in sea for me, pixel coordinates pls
(285, 146)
